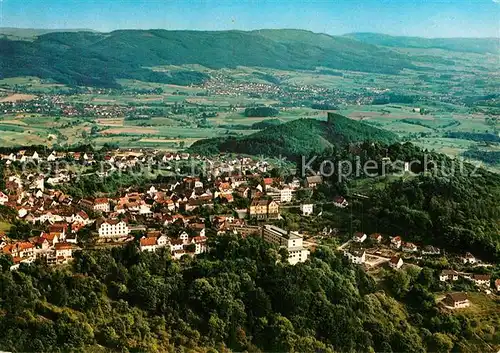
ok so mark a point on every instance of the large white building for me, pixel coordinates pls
(292, 241)
(112, 228)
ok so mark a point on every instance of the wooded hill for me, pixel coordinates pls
(297, 138)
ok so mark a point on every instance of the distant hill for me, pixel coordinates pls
(470, 45)
(32, 33)
(90, 58)
(297, 138)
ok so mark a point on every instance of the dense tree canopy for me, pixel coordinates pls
(240, 296)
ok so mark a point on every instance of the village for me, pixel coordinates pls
(236, 196)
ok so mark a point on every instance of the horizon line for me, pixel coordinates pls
(230, 30)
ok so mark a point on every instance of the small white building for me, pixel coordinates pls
(446, 275)
(469, 258)
(481, 280)
(356, 256)
(286, 195)
(341, 202)
(359, 237)
(396, 262)
(307, 209)
(456, 300)
(3, 198)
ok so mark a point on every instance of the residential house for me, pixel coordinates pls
(200, 243)
(101, 205)
(285, 195)
(430, 250)
(313, 181)
(359, 237)
(63, 252)
(469, 258)
(23, 250)
(396, 242)
(356, 256)
(409, 247)
(148, 244)
(3, 198)
(341, 202)
(481, 280)
(176, 244)
(264, 209)
(58, 230)
(184, 237)
(396, 262)
(307, 209)
(376, 237)
(456, 300)
(446, 275)
(268, 182)
(179, 253)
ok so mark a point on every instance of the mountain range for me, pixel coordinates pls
(99, 59)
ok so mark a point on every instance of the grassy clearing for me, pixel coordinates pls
(4, 227)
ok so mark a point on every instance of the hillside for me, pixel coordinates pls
(297, 138)
(468, 45)
(32, 33)
(90, 58)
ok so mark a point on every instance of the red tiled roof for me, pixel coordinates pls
(62, 246)
(148, 241)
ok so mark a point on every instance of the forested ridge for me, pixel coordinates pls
(297, 138)
(99, 59)
(238, 297)
(443, 202)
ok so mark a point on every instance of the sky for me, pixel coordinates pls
(425, 18)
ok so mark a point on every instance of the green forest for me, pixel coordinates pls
(240, 296)
(297, 138)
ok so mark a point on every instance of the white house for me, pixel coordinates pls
(148, 244)
(469, 258)
(359, 237)
(64, 252)
(481, 280)
(101, 205)
(341, 202)
(200, 244)
(456, 300)
(184, 237)
(3, 198)
(396, 242)
(409, 247)
(356, 256)
(446, 275)
(306, 209)
(285, 195)
(396, 262)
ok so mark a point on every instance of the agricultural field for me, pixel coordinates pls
(172, 117)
